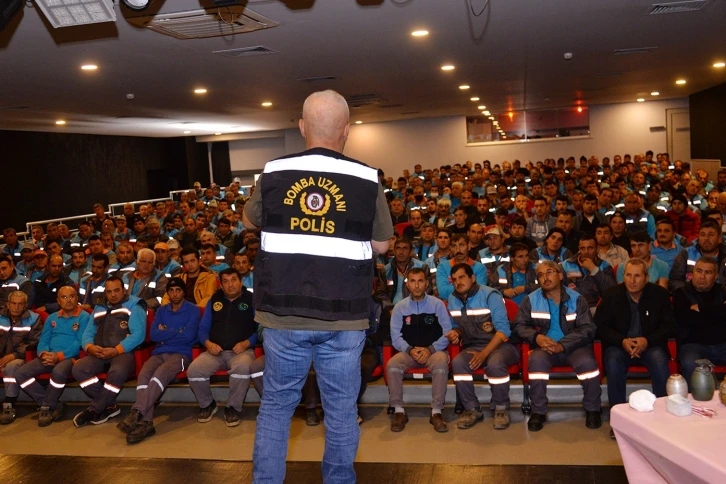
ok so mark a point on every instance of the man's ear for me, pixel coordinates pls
(301, 125)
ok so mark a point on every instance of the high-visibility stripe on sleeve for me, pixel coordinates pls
(571, 317)
(498, 380)
(99, 314)
(257, 375)
(27, 383)
(316, 245)
(455, 314)
(141, 387)
(478, 312)
(111, 388)
(239, 377)
(12, 284)
(158, 382)
(539, 376)
(8, 379)
(56, 384)
(121, 310)
(323, 164)
(464, 377)
(540, 315)
(588, 375)
(88, 382)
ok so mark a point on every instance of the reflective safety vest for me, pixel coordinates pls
(540, 312)
(640, 222)
(315, 257)
(113, 324)
(479, 315)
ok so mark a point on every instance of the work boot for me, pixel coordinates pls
(311, 417)
(536, 422)
(8, 415)
(400, 419)
(130, 422)
(142, 430)
(437, 420)
(231, 417)
(469, 419)
(207, 413)
(593, 420)
(501, 418)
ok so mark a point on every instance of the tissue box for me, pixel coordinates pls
(678, 406)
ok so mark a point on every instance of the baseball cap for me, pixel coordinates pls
(161, 245)
(491, 190)
(197, 185)
(27, 245)
(494, 231)
(173, 244)
(213, 203)
(39, 252)
(176, 282)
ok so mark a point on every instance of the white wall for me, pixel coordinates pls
(393, 146)
(615, 128)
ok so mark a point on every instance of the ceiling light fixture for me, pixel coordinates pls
(89, 67)
(200, 90)
(187, 132)
(474, 99)
(681, 82)
(420, 33)
(491, 117)
(69, 14)
(359, 122)
(482, 107)
(217, 134)
(136, 5)
(579, 109)
(487, 113)
(266, 104)
(60, 122)
(640, 100)
(464, 87)
(447, 67)
(655, 93)
(719, 64)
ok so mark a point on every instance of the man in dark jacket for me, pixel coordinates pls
(634, 321)
(701, 318)
(47, 286)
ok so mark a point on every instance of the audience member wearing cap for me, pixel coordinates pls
(167, 266)
(174, 331)
(174, 250)
(138, 228)
(122, 233)
(26, 263)
(495, 253)
(685, 221)
(640, 247)
(11, 280)
(41, 265)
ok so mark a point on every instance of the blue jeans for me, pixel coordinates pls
(690, 352)
(617, 361)
(288, 355)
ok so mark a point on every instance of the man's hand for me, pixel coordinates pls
(41, 308)
(510, 293)
(545, 342)
(453, 337)
(641, 344)
(5, 360)
(557, 348)
(586, 263)
(49, 358)
(241, 347)
(629, 346)
(108, 353)
(212, 348)
(86, 306)
(95, 351)
(425, 354)
(478, 358)
(694, 307)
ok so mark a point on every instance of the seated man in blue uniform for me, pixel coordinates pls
(174, 331)
(59, 346)
(482, 327)
(557, 322)
(419, 324)
(118, 327)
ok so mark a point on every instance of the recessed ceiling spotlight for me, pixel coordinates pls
(217, 134)
(491, 117)
(487, 113)
(482, 107)
(640, 100)
(474, 99)
(655, 93)
(420, 33)
(359, 122)
(187, 132)
(579, 109)
(464, 87)
(719, 64)
(681, 82)
(266, 104)
(447, 67)
(200, 90)
(89, 67)
(60, 122)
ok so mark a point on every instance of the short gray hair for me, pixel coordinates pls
(549, 264)
(637, 261)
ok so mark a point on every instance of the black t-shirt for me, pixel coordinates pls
(189, 292)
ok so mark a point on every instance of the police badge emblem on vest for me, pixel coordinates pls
(217, 306)
(124, 324)
(487, 327)
(75, 326)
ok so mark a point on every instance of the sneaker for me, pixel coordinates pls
(45, 417)
(231, 417)
(108, 412)
(206, 413)
(501, 418)
(8, 415)
(593, 420)
(84, 418)
(128, 424)
(469, 419)
(311, 417)
(536, 422)
(142, 430)
(437, 420)
(400, 419)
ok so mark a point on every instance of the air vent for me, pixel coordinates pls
(245, 51)
(677, 7)
(634, 50)
(317, 79)
(359, 100)
(198, 24)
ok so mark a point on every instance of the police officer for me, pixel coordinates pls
(331, 211)
(119, 326)
(482, 327)
(59, 345)
(557, 321)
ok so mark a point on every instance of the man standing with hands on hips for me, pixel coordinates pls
(322, 215)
